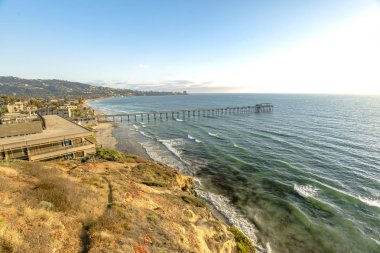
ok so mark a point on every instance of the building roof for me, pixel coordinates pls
(57, 129)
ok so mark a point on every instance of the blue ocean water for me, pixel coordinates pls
(303, 178)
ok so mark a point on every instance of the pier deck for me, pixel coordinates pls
(183, 114)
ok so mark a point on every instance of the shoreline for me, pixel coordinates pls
(103, 131)
(110, 141)
(108, 135)
(228, 216)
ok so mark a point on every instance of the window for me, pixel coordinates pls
(68, 143)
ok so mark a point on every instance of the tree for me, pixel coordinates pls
(81, 101)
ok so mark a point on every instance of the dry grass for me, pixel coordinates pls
(64, 207)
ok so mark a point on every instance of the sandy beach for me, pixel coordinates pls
(103, 132)
(104, 136)
(108, 134)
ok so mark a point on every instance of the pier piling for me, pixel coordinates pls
(258, 108)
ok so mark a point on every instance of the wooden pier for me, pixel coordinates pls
(183, 114)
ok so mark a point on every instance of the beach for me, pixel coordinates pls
(107, 135)
(103, 130)
(104, 136)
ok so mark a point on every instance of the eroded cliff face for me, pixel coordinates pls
(103, 206)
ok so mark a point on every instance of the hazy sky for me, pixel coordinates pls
(320, 46)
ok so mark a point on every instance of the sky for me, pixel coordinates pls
(271, 46)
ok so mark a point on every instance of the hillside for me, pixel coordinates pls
(128, 205)
(59, 88)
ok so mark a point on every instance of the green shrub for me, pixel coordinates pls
(153, 218)
(152, 183)
(193, 200)
(243, 245)
(113, 155)
(108, 154)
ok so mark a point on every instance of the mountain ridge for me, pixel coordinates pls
(47, 88)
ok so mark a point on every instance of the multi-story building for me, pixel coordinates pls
(64, 113)
(71, 107)
(16, 107)
(49, 137)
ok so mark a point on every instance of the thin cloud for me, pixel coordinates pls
(171, 85)
(143, 66)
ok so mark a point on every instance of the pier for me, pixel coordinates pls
(186, 113)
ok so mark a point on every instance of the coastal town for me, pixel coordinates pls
(37, 129)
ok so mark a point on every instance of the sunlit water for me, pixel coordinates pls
(304, 178)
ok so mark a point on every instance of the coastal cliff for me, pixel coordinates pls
(113, 203)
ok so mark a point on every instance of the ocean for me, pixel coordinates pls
(303, 178)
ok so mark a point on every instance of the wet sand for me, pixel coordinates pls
(116, 136)
(127, 143)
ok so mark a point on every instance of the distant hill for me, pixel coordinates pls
(14, 86)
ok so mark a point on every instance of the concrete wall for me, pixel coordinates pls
(9, 130)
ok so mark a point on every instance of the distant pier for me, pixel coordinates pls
(183, 114)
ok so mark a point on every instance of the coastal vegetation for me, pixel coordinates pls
(243, 245)
(53, 88)
(113, 202)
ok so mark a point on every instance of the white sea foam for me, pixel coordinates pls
(136, 127)
(160, 154)
(370, 201)
(172, 145)
(180, 120)
(376, 241)
(305, 191)
(144, 134)
(269, 249)
(193, 138)
(213, 134)
(236, 146)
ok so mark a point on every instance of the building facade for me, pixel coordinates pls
(64, 113)
(59, 138)
(16, 107)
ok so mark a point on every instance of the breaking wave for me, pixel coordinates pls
(305, 191)
(144, 134)
(370, 201)
(213, 134)
(171, 146)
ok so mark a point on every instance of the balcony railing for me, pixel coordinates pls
(45, 150)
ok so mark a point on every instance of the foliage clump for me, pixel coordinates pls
(243, 245)
(193, 200)
(154, 184)
(113, 155)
